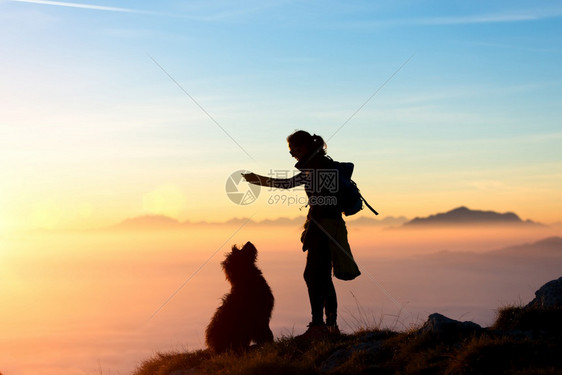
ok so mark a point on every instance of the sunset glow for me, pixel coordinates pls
(93, 129)
(122, 122)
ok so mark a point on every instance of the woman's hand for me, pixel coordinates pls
(251, 178)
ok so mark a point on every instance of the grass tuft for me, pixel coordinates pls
(507, 355)
(534, 319)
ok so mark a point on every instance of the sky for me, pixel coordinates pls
(118, 109)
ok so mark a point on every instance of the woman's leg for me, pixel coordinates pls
(314, 286)
(331, 304)
(318, 277)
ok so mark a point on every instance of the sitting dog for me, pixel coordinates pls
(245, 312)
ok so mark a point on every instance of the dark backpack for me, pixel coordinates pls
(349, 196)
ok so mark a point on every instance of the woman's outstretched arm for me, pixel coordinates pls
(280, 183)
(256, 179)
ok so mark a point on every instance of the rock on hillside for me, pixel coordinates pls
(446, 328)
(548, 296)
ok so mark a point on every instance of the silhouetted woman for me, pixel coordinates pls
(325, 230)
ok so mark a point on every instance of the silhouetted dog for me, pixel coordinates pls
(245, 312)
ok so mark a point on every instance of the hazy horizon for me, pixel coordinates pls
(165, 222)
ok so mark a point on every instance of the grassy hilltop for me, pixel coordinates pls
(523, 340)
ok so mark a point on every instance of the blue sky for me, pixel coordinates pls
(92, 127)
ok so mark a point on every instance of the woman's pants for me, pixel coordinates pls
(318, 277)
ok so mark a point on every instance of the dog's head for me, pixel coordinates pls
(239, 260)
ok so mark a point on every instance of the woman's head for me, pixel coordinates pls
(301, 143)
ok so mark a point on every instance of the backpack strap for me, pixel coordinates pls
(368, 205)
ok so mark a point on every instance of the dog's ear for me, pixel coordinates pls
(250, 249)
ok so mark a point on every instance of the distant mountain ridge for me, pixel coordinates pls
(540, 249)
(162, 222)
(465, 216)
(147, 222)
(458, 216)
(545, 247)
